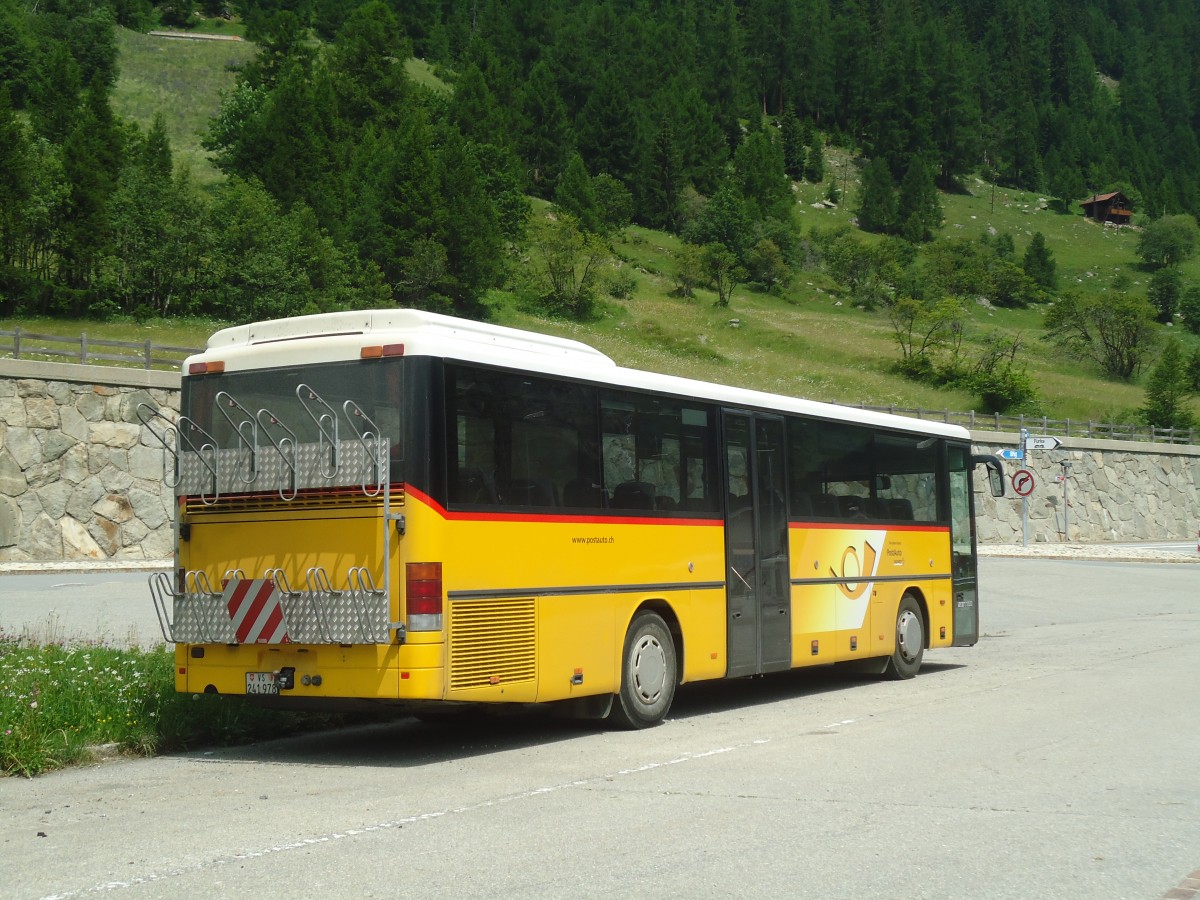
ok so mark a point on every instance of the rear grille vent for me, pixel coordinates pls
(304, 500)
(492, 642)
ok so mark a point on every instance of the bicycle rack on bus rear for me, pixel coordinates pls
(194, 611)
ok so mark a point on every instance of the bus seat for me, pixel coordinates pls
(878, 508)
(582, 493)
(901, 508)
(825, 506)
(532, 492)
(634, 495)
(473, 488)
(802, 505)
(852, 507)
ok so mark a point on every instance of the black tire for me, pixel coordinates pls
(649, 673)
(905, 661)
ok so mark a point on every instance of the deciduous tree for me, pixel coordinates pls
(723, 270)
(1114, 331)
(1168, 241)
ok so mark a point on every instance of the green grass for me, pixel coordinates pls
(812, 342)
(63, 705)
(183, 80)
(422, 73)
(184, 332)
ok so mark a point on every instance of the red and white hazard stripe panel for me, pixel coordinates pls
(255, 611)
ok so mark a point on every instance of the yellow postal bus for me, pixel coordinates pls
(399, 506)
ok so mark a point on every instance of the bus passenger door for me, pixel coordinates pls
(965, 583)
(758, 586)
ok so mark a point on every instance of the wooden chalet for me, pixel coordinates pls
(1112, 207)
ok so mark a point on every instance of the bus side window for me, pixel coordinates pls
(658, 453)
(521, 441)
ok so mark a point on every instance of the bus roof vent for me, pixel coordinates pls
(422, 333)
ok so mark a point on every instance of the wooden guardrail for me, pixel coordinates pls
(21, 344)
(1047, 426)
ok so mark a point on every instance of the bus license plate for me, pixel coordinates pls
(261, 683)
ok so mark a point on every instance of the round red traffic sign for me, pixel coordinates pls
(1022, 482)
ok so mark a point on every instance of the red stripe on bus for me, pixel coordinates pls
(863, 526)
(584, 519)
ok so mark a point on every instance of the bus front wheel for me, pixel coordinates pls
(905, 660)
(648, 673)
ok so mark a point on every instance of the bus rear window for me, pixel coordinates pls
(299, 403)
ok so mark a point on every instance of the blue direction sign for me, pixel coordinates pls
(1012, 454)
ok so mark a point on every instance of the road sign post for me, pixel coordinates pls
(1023, 483)
(1066, 471)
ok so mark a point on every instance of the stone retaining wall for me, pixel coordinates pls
(82, 478)
(1114, 491)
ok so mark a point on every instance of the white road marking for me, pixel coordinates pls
(394, 823)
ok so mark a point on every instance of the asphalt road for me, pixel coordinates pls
(112, 607)
(1057, 759)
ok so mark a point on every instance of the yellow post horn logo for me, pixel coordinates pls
(855, 589)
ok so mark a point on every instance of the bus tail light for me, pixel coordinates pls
(423, 596)
(214, 367)
(380, 350)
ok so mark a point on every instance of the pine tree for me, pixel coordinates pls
(920, 208)
(155, 154)
(367, 66)
(15, 178)
(546, 139)
(814, 168)
(954, 97)
(1168, 391)
(662, 181)
(574, 195)
(1039, 264)
(795, 156)
(759, 167)
(1189, 306)
(469, 226)
(876, 203)
(698, 139)
(1164, 292)
(608, 128)
(17, 47)
(474, 110)
(54, 93)
(91, 157)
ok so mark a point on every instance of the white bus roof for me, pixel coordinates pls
(340, 336)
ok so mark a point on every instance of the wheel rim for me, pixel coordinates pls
(909, 635)
(649, 667)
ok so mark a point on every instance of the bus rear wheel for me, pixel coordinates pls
(905, 660)
(649, 673)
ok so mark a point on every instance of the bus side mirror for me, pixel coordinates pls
(995, 473)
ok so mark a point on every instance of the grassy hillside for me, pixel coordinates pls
(809, 342)
(183, 80)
